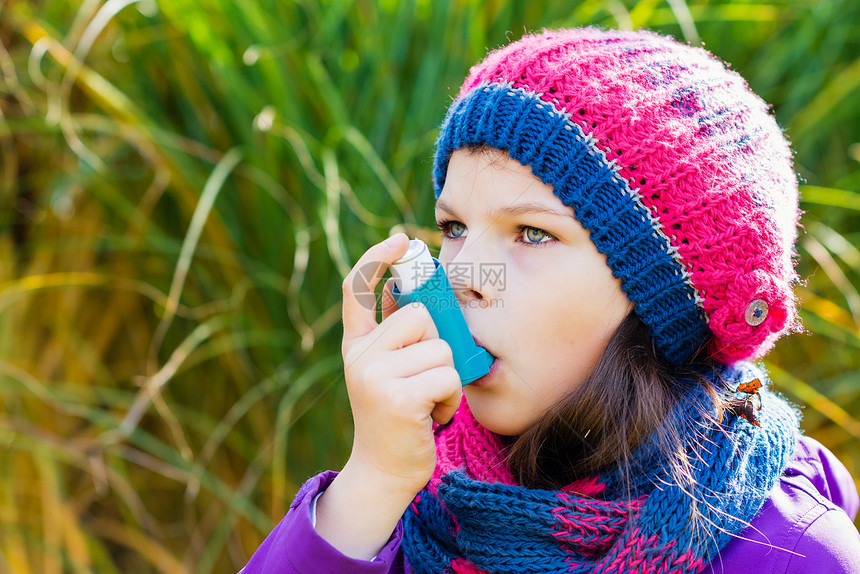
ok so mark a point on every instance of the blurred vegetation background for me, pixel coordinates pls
(185, 183)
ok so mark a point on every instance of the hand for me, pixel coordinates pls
(400, 376)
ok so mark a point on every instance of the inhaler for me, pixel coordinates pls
(418, 276)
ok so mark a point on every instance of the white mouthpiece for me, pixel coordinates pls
(413, 269)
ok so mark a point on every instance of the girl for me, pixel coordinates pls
(642, 203)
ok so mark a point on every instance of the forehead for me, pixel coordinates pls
(492, 179)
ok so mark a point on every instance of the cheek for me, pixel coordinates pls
(594, 298)
(567, 329)
(448, 251)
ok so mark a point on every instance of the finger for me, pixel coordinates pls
(389, 305)
(359, 297)
(422, 356)
(442, 387)
(406, 326)
(445, 411)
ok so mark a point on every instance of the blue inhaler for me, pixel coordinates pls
(418, 276)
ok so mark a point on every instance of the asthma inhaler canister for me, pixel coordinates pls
(418, 276)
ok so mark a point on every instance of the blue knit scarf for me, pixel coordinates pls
(462, 524)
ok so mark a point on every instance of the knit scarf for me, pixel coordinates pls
(472, 518)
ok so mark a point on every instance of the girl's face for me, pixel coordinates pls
(534, 290)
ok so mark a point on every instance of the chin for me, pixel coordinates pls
(492, 415)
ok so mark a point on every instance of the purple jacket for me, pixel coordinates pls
(805, 526)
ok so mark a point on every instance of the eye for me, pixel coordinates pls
(457, 229)
(452, 229)
(533, 235)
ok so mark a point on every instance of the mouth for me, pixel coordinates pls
(494, 367)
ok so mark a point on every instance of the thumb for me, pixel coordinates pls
(359, 299)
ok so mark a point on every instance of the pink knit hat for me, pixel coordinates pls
(677, 169)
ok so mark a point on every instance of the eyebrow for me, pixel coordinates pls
(525, 208)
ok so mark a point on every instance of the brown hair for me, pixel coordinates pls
(627, 397)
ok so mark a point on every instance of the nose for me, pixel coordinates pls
(474, 276)
(461, 274)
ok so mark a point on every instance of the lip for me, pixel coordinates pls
(486, 379)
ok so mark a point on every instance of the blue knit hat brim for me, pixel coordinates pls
(640, 255)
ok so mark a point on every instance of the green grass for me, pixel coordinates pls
(184, 185)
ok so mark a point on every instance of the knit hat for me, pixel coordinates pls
(676, 168)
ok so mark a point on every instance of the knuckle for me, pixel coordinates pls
(417, 308)
(346, 286)
(357, 355)
(406, 314)
(373, 372)
(449, 374)
(400, 402)
(442, 350)
(452, 372)
(425, 312)
(447, 352)
(420, 313)
(362, 380)
(350, 355)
